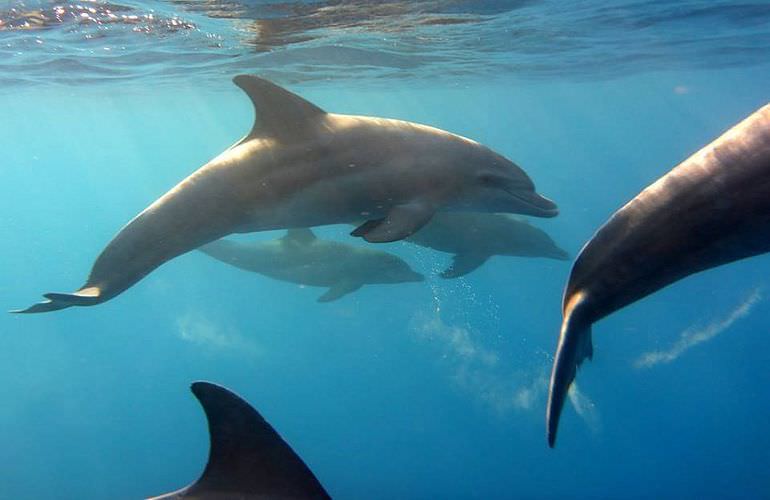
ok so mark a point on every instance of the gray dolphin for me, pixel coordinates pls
(248, 459)
(712, 209)
(300, 167)
(474, 237)
(300, 257)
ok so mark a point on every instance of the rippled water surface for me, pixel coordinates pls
(93, 41)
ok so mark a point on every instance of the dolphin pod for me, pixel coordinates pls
(299, 257)
(300, 166)
(712, 209)
(248, 459)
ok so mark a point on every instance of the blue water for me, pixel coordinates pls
(420, 390)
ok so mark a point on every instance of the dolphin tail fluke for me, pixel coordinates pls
(55, 301)
(575, 345)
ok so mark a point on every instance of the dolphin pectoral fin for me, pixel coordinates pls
(464, 263)
(338, 291)
(280, 114)
(401, 222)
(364, 228)
(247, 457)
(56, 301)
(575, 345)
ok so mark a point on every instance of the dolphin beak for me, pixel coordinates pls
(560, 254)
(535, 204)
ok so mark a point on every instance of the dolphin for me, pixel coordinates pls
(248, 459)
(300, 257)
(300, 166)
(711, 209)
(474, 237)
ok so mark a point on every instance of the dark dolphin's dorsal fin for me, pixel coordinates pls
(280, 114)
(299, 236)
(247, 459)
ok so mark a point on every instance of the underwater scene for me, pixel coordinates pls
(430, 249)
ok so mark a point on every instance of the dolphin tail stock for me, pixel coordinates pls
(87, 296)
(575, 345)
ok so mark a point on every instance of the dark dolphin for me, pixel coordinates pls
(301, 167)
(712, 209)
(300, 257)
(248, 459)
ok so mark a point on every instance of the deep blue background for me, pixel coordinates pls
(428, 390)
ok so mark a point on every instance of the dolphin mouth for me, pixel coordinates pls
(536, 204)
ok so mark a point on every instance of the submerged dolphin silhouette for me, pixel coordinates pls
(300, 167)
(474, 237)
(712, 209)
(300, 257)
(248, 459)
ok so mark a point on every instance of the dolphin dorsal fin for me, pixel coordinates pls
(247, 459)
(300, 236)
(280, 114)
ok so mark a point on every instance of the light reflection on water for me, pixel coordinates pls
(93, 41)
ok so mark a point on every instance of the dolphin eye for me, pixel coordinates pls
(489, 179)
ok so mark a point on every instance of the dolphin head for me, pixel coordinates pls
(536, 242)
(554, 252)
(499, 185)
(541, 245)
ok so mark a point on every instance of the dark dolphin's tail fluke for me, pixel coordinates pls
(55, 301)
(575, 345)
(247, 458)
